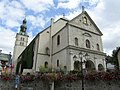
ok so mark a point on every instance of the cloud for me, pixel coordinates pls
(92, 2)
(10, 13)
(38, 6)
(7, 38)
(111, 37)
(11, 23)
(68, 4)
(106, 15)
(36, 22)
(112, 11)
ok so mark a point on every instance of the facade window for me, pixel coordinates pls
(76, 41)
(76, 65)
(57, 63)
(58, 40)
(85, 20)
(47, 51)
(100, 67)
(98, 48)
(87, 43)
(46, 65)
(23, 39)
(20, 43)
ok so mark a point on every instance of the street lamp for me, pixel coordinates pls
(81, 55)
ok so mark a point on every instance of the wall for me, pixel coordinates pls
(82, 36)
(89, 85)
(63, 40)
(36, 85)
(63, 85)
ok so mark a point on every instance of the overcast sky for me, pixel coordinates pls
(105, 13)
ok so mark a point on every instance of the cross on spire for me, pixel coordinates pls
(83, 8)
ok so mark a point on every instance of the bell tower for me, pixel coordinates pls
(20, 42)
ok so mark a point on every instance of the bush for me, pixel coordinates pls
(43, 69)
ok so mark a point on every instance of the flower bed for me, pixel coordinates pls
(103, 76)
(65, 77)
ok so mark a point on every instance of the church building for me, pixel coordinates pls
(20, 43)
(65, 44)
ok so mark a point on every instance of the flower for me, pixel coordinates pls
(105, 76)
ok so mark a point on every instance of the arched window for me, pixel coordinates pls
(47, 51)
(98, 48)
(87, 43)
(89, 65)
(76, 41)
(57, 63)
(100, 67)
(21, 38)
(85, 20)
(58, 40)
(46, 64)
(77, 65)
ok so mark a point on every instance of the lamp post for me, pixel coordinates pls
(81, 55)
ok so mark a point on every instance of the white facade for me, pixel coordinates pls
(64, 39)
(20, 43)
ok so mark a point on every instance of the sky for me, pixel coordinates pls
(105, 13)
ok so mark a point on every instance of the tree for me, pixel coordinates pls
(109, 59)
(113, 59)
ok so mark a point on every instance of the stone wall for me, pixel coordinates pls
(35, 85)
(62, 85)
(88, 85)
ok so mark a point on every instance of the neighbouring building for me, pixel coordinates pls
(56, 46)
(5, 62)
(20, 43)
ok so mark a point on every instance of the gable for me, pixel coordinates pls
(84, 21)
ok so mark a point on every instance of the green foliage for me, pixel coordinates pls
(113, 59)
(60, 69)
(43, 69)
(109, 59)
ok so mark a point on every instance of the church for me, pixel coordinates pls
(65, 44)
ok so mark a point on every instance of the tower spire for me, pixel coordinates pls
(23, 27)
